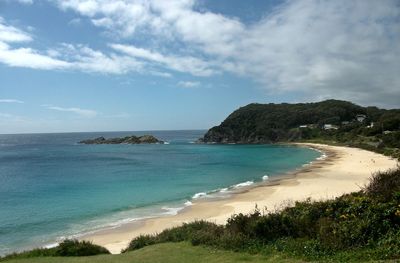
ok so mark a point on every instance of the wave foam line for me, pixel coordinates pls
(244, 184)
(199, 195)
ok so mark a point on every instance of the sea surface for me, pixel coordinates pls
(52, 188)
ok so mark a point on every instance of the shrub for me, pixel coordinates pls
(389, 245)
(198, 232)
(67, 248)
(38, 252)
(139, 242)
(243, 224)
(75, 248)
(383, 185)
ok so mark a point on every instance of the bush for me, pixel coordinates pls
(67, 248)
(243, 224)
(75, 248)
(198, 232)
(139, 242)
(38, 252)
(383, 185)
(389, 245)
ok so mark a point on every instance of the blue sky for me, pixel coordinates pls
(98, 65)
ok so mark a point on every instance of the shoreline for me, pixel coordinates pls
(342, 170)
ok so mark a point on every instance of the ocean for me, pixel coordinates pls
(53, 188)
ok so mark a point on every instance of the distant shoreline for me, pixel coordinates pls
(343, 170)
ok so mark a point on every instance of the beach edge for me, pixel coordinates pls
(343, 170)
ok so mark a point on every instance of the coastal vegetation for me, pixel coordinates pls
(360, 226)
(330, 121)
(181, 252)
(67, 248)
(145, 139)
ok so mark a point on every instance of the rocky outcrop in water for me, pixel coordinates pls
(145, 139)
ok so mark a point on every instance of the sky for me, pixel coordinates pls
(129, 65)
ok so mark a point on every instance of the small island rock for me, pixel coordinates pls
(145, 139)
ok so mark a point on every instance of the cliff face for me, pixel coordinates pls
(269, 123)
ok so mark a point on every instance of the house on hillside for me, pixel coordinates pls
(361, 117)
(330, 127)
(310, 126)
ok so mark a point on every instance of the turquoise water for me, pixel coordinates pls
(52, 188)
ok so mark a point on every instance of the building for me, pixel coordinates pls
(330, 127)
(361, 117)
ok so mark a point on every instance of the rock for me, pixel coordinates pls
(145, 139)
(148, 139)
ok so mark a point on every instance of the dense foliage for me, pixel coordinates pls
(67, 248)
(364, 224)
(266, 123)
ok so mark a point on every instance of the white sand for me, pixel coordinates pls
(344, 170)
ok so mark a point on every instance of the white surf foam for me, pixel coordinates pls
(199, 195)
(322, 157)
(171, 210)
(244, 184)
(188, 203)
(224, 190)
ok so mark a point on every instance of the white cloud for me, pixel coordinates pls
(330, 48)
(192, 65)
(342, 49)
(345, 49)
(10, 101)
(65, 57)
(27, 2)
(86, 59)
(189, 84)
(161, 74)
(30, 58)
(10, 34)
(75, 22)
(123, 16)
(81, 112)
(23, 57)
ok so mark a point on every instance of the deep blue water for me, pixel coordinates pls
(51, 187)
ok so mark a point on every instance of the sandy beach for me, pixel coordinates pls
(343, 170)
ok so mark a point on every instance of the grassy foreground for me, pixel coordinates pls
(165, 253)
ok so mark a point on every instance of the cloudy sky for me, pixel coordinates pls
(97, 65)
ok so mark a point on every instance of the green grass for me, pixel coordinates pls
(182, 252)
